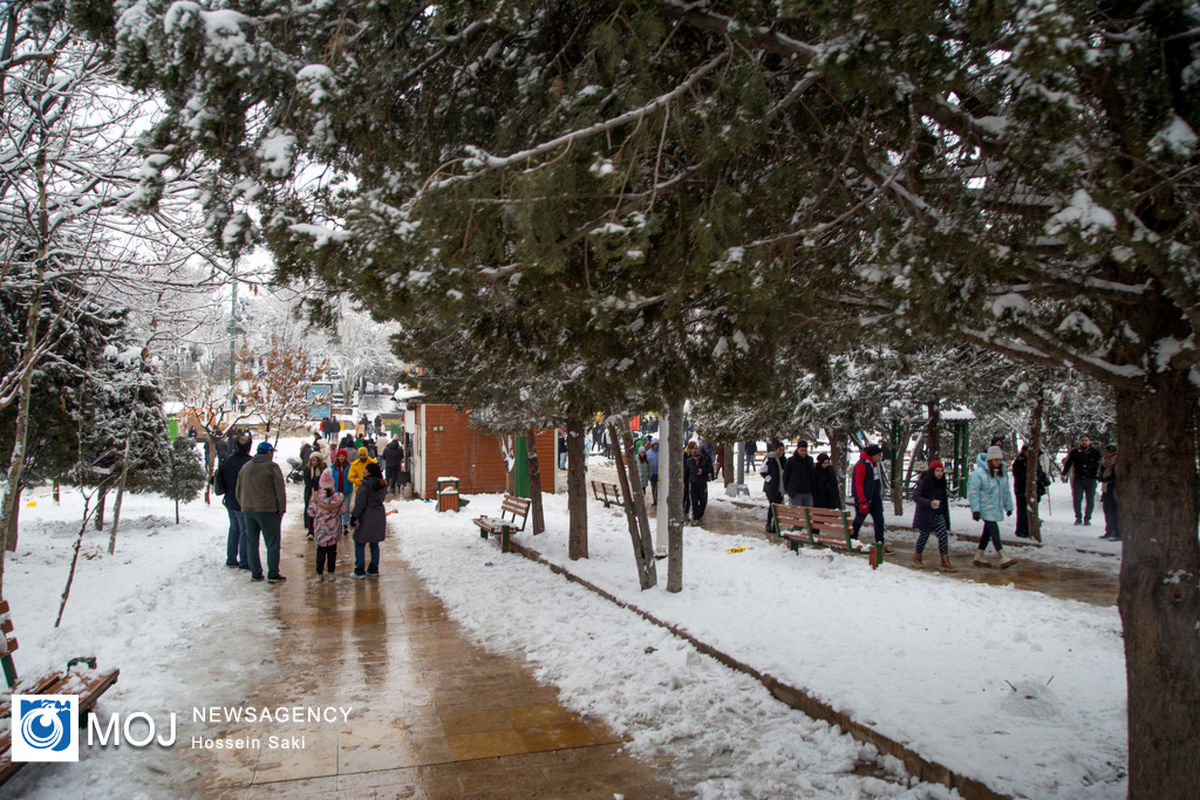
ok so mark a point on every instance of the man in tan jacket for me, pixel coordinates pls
(260, 493)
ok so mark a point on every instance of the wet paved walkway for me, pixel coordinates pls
(433, 715)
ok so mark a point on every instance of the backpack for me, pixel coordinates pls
(218, 481)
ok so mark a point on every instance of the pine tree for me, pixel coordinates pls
(182, 477)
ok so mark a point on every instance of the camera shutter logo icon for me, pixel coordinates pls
(45, 727)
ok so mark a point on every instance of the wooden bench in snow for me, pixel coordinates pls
(607, 493)
(817, 527)
(79, 678)
(513, 513)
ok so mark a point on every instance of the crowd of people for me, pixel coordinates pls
(993, 492)
(343, 497)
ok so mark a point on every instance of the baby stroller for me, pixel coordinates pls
(297, 473)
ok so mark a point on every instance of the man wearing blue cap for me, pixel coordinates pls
(260, 492)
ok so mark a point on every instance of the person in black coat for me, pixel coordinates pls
(932, 514)
(393, 460)
(236, 554)
(1020, 476)
(1085, 461)
(825, 484)
(798, 475)
(772, 473)
(697, 472)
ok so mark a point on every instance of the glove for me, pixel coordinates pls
(975, 516)
(864, 508)
(1009, 513)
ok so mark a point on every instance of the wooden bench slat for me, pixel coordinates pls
(823, 527)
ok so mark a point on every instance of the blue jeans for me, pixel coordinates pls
(359, 553)
(267, 524)
(235, 544)
(991, 533)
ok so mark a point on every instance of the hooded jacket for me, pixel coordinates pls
(369, 510)
(989, 494)
(867, 483)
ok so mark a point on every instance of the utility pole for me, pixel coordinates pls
(233, 328)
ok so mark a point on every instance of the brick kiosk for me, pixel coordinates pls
(445, 444)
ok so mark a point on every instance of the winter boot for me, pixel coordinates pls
(1005, 561)
(946, 565)
(917, 562)
(981, 560)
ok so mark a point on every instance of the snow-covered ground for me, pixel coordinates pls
(147, 609)
(1024, 692)
(1020, 690)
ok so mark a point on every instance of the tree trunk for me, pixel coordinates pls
(898, 448)
(577, 536)
(1033, 461)
(933, 436)
(176, 512)
(74, 563)
(635, 512)
(1160, 573)
(675, 501)
(535, 484)
(101, 496)
(730, 451)
(837, 448)
(16, 468)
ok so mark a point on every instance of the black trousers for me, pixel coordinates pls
(326, 558)
(698, 494)
(1082, 488)
(876, 514)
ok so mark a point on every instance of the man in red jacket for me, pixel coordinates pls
(868, 492)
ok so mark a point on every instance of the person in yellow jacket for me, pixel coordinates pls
(358, 471)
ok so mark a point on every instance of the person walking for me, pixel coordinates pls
(932, 514)
(652, 460)
(1081, 468)
(225, 481)
(313, 470)
(368, 520)
(643, 464)
(825, 484)
(1020, 477)
(867, 485)
(990, 499)
(772, 474)
(697, 471)
(1108, 497)
(325, 510)
(393, 460)
(260, 492)
(798, 476)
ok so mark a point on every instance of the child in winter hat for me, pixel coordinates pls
(325, 508)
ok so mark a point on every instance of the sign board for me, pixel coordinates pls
(319, 396)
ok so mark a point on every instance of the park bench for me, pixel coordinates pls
(819, 527)
(607, 493)
(517, 511)
(79, 678)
